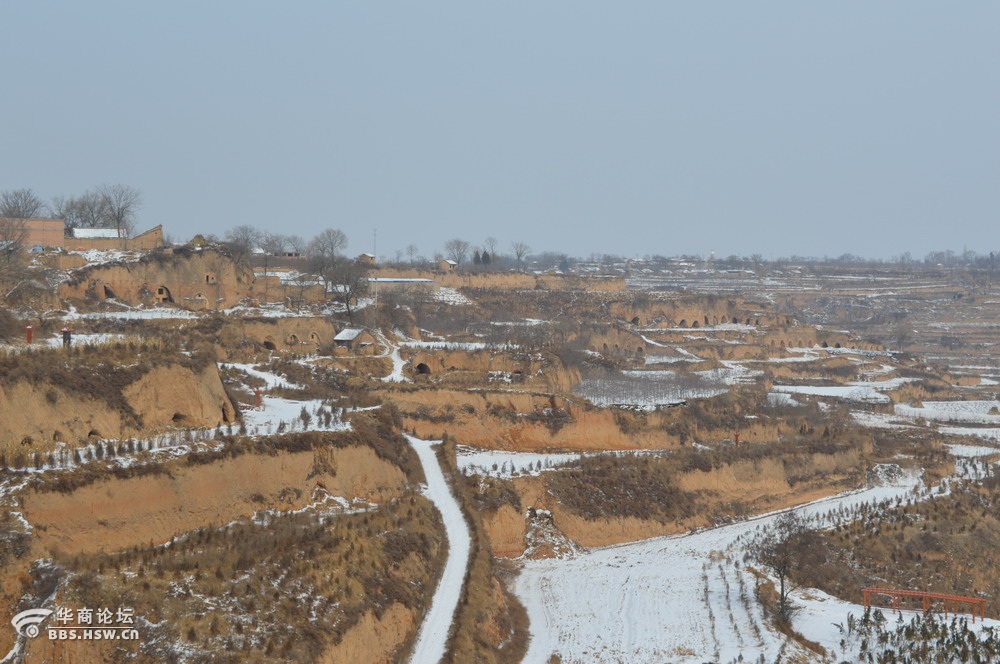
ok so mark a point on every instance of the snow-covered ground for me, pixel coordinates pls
(731, 373)
(392, 351)
(451, 296)
(970, 412)
(433, 636)
(682, 599)
(645, 389)
(85, 339)
(271, 380)
(497, 463)
(855, 392)
(134, 313)
(452, 345)
(278, 410)
(782, 399)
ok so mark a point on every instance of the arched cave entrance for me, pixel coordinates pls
(163, 294)
(423, 369)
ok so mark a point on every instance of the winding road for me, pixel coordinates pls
(437, 623)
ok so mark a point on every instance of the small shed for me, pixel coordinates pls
(366, 259)
(355, 340)
(447, 265)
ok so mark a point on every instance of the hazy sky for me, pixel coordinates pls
(633, 128)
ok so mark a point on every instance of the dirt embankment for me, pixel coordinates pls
(166, 396)
(44, 412)
(189, 279)
(521, 421)
(508, 280)
(757, 485)
(117, 514)
(177, 396)
(243, 337)
(373, 640)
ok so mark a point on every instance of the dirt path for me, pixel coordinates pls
(433, 635)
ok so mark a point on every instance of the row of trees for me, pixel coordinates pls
(330, 243)
(344, 278)
(107, 206)
(458, 249)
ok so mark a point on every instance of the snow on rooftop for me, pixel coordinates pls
(348, 334)
(96, 233)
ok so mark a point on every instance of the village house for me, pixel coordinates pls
(447, 265)
(354, 340)
(36, 234)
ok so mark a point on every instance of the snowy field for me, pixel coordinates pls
(86, 339)
(278, 412)
(731, 373)
(645, 389)
(451, 296)
(497, 463)
(967, 412)
(682, 599)
(450, 345)
(864, 393)
(136, 313)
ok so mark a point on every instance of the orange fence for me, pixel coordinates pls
(977, 606)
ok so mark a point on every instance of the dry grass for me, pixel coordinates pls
(281, 589)
(950, 544)
(721, 483)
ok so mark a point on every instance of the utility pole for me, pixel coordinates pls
(375, 254)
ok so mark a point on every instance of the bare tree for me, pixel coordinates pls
(13, 234)
(296, 244)
(348, 280)
(273, 244)
(21, 204)
(324, 250)
(241, 241)
(785, 548)
(457, 250)
(329, 244)
(490, 244)
(86, 211)
(411, 252)
(121, 203)
(520, 250)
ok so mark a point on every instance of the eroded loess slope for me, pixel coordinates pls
(298, 547)
(115, 390)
